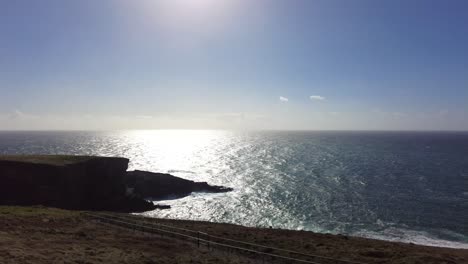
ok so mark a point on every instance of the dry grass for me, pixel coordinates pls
(335, 246)
(36, 211)
(45, 235)
(42, 235)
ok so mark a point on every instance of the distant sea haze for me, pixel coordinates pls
(402, 186)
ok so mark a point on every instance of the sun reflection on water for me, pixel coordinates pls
(313, 181)
(175, 151)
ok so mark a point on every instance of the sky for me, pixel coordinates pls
(234, 64)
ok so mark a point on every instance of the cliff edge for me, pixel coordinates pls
(68, 182)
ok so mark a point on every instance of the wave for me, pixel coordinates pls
(181, 171)
(322, 182)
(410, 236)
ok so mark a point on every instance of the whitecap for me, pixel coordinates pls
(411, 236)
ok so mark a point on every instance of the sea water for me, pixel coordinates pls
(399, 186)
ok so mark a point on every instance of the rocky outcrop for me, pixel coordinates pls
(69, 182)
(160, 185)
(88, 183)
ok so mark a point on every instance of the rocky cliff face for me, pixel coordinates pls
(84, 183)
(160, 185)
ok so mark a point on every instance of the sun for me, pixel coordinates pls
(197, 4)
(191, 14)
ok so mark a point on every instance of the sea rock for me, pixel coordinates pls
(161, 185)
(69, 182)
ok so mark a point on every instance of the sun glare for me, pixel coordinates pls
(193, 15)
(170, 148)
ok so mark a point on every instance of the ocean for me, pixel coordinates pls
(399, 186)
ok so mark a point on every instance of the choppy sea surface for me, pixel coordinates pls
(401, 186)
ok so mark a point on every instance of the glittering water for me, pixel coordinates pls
(404, 186)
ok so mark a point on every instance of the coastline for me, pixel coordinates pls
(35, 173)
(408, 236)
(396, 235)
(71, 236)
(391, 233)
(93, 183)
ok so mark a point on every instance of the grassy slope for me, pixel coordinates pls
(44, 235)
(36, 211)
(57, 160)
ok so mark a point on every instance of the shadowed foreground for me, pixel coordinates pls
(43, 235)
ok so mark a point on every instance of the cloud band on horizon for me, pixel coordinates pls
(317, 98)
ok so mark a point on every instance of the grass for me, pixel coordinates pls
(20, 211)
(57, 160)
(49, 235)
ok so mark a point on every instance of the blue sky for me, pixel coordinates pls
(234, 64)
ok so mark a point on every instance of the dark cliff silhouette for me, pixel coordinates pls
(87, 183)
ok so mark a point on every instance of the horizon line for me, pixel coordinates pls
(233, 130)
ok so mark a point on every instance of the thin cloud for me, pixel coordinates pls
(19, 115)
(283, 99)
(317, 98)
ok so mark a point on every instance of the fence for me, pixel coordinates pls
(260, 252)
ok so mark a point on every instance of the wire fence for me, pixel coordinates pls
(262, 253)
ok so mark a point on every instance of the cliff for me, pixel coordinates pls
(68, 182)
(161, 185)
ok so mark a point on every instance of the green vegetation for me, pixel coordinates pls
(57, 160)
